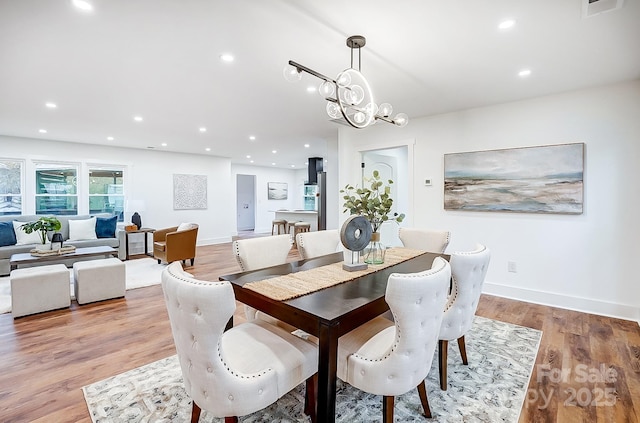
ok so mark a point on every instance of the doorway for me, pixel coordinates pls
(246, 202)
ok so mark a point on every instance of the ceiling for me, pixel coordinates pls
(160, 59)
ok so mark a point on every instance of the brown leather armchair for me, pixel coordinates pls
(171, 244)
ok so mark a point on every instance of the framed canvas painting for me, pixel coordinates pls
(545, 179)
(277, 190)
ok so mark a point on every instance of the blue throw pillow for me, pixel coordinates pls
(7, 234)
(106, 227)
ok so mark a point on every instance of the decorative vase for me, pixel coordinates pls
(374, 253)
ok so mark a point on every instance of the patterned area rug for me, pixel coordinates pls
(140, 273)
(491, 388)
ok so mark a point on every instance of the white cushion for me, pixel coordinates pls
(23, 238)
(82, 229)
(185, 227)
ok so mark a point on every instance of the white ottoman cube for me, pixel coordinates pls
(38, 289)
(97, 280)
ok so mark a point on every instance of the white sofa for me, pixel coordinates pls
(6, 251)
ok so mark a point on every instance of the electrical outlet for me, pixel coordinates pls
(511, 267)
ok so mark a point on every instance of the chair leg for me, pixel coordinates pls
(463, 350)
(442, 362)
(159, 261)
(192, 261)
(422, 391)
(195, 413)
(387, 409)
(310, 397)
(233, 419)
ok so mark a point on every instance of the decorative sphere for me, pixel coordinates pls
(385, 109)
(326, 89)
(333, 110)
(344, 79)
(401, 119)
(291, 73)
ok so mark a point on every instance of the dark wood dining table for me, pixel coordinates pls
(328, 313)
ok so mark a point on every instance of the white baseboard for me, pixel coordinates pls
(586, 305)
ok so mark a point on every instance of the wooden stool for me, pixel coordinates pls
(301, 227)
(279, 223)
(291, 224)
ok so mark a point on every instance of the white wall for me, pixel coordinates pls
(584, 262)
(148, 177)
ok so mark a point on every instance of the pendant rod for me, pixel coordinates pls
(310, 71)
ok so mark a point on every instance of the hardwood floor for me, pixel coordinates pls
(47, 358)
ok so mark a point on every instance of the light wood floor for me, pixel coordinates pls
(45, 359)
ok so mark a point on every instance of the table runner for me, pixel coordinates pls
(297, 284)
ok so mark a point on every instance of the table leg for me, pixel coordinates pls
(327, 368)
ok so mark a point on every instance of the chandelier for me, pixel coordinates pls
(349, 96)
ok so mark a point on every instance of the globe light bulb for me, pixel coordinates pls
(359, 117)
(401, 119)
(357, 94)
(344, 79)
(333, 110)
(291, 73)
(326, 89)
(371, 109)
(385, 109)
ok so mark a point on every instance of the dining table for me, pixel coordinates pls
(327, 313)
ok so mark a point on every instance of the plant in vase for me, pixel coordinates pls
(375, 204)
(43, 225)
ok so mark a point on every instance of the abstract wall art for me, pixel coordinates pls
(543, 179)
(277, 190)
(189, 192)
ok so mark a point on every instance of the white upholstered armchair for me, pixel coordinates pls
(389, 359)
(468, 270)
(318, 243)
(239, 371)
(425, 239)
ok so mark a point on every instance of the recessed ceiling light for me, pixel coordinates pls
(202, 129)
(274, 151)
(311, 89)
(273, 164)
(137, 118)
(250, 161)
(293, 165)
(42, 131)
(506, 24)
(82, 5)
(248, 156)
(252, 137)
(207, 149)
(524, 73)
(164, 144)
(226, 58)
(110, 138)
(51, 105)
(306, 146)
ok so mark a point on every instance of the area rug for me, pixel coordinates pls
(140, 273)
(491, 388)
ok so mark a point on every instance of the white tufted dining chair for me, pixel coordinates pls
(239, 371)
(425, 239)
(258, 253)
(386, 358)
(318, 243)
(468, 270)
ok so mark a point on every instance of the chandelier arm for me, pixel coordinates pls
(386, 119)
(310, 71)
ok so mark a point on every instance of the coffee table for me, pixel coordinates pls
(26, 258)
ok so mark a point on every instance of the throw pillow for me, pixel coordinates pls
(82, 229)
(23, 238)
(106, 227)
(185, 227)
(7, 234)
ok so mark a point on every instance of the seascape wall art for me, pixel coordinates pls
(543, 179)
(277, 190)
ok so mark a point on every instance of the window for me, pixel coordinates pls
(10, 187)
(106, 191)
(56, 191)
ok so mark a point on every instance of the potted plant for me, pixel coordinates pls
(375, 204)
(44, 224)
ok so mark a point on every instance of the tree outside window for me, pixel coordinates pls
(10, 187)
(106, 191)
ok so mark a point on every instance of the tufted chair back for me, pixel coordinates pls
(227, 373)
(257, 253)
(468, 271)
(425, 239)
(318, 243)
(390, 361)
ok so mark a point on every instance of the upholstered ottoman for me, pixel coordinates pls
(97, 280)
(38, 289)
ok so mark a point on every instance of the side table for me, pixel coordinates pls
(146, 232)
